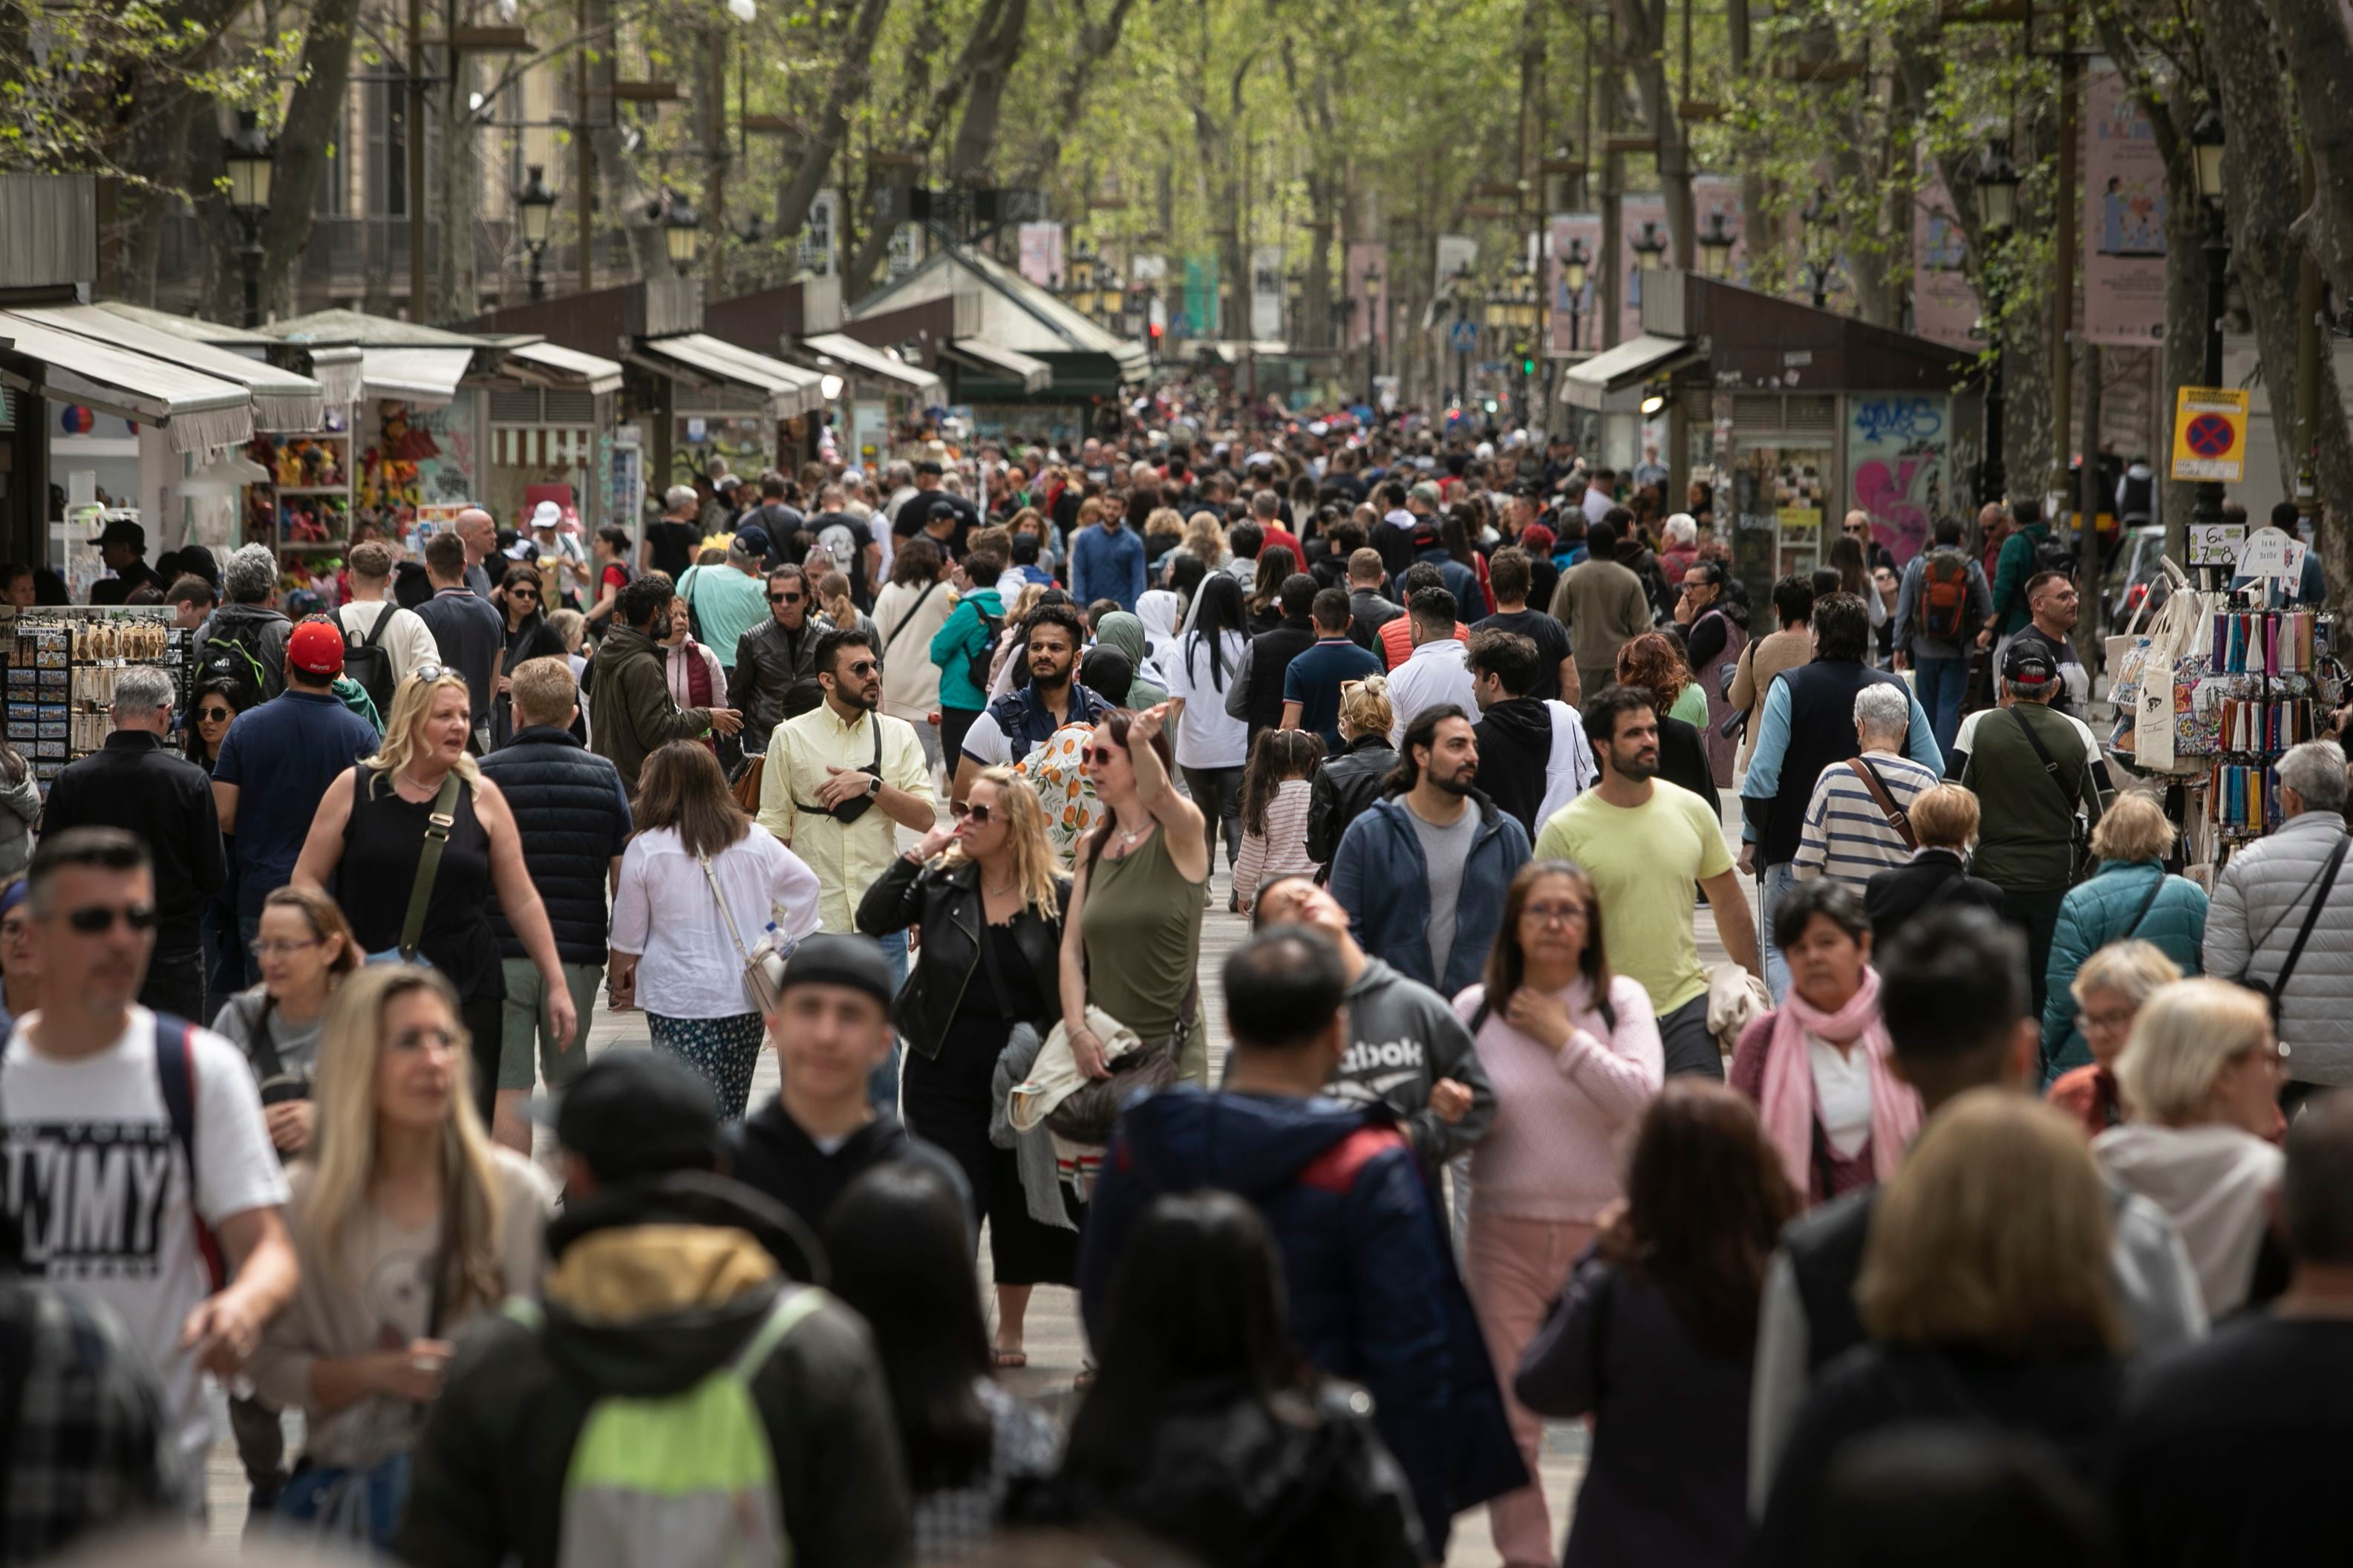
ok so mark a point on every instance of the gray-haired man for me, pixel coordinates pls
(138, 783)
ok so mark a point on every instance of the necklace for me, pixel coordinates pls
(999, 892)
(413, 782)
(1129, 837)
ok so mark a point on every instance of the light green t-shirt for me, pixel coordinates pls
(1690, 707)
(1643, 861)
(726, 604)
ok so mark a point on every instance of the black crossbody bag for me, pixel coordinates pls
(2271, 991)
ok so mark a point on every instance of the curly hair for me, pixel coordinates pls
(1653, 663)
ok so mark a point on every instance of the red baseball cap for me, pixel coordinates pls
(316, 648)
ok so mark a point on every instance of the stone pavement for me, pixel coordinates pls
(1053, 1337)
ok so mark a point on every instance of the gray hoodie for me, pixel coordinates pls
(1402, 1039)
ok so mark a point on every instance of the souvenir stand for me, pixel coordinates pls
(63, 663)
(304, 506)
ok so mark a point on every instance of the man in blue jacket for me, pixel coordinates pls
(1422, 873)
(1107, 563)
(1372, 1291)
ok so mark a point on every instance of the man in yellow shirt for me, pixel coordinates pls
(839, 783)
(1644, 842)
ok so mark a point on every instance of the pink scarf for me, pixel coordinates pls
(1787, 1100)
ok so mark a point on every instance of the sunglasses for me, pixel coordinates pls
(864, 667)
(1100, 756)
(264, 948)
(216, 713)
(522, 592)
(430, 673)
(965, 811)
(783, 598)
(97, 920)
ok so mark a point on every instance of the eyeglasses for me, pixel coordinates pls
(965, 811)
(264, 948)
(783, 598)
(214, 713)
(417, 1039)
(1555, 914)
(97, 920)
(2110, 1018)
(1859, 529)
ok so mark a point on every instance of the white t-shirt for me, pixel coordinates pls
(663, 910)
(406, 638)
(102, 1197)
(1206, 736)
(1841, 1095)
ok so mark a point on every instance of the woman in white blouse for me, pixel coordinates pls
(676, 951)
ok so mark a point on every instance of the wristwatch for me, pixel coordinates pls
(873, 785)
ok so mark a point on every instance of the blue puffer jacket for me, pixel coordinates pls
(572, 817)
(1369, 1274)
(1380, 878)
(2100, 912)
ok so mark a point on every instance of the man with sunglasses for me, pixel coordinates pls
(772, 657)
(142, 1173)
(138, 783)
(1018, 722)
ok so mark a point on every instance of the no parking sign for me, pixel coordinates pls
(2209, 433)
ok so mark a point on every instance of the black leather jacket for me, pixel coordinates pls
(768, 660)
(945, 902)
(1344, 786)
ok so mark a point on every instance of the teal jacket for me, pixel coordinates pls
(2099, 911)
(2011, 568)
(959, 639)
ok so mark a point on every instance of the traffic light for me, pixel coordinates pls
(1527, 365)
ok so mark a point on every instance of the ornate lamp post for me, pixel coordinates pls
(1576, 267)
(1716, 243)
(1997, 198)
(250, 155)
(2206, 141)
(1820, 224)
(681, 232)
(534, 204)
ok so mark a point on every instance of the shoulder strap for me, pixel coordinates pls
(725, 914)
(376, 633)
(792, 1309)
(2328, 885)
(2042, 753)
(264, 1050)
(444, 817)
(2132, 929)
(1895, 815)
(908, 619)
(176, 1076)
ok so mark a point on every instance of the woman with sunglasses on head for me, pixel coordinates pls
(409, 1223)
(1132, 939)
(371, 833)
(988, 895)
(529, 636)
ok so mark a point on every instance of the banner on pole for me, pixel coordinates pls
(2124, 216)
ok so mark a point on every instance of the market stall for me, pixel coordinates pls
(713, 399)
(63, 662)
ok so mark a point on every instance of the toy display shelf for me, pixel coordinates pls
(329, 503)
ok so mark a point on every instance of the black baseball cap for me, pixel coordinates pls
(834, 958)
(2023, 663)
(633, 1114)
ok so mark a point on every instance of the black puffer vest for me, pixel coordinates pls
(569, 815)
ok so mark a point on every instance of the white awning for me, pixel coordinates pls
(789, 391)
(339, 373)
(1589, 384)
(424, 378)
(200, 413)
(602, 375)
(1034, 374)
(281, 400)
(872, 361)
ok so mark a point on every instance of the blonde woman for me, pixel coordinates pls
(2131, 895)
(1352, 779)
(1986, 1287)
(372, 828)
(2108, 991)
(839, 610)
(989, 895)
(2201, 1079)
(409, 1223)
(1205, 541)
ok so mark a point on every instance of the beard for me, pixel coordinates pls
(862, 696)
(1460, 782)
(1635, 767)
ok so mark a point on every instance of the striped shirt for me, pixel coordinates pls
(1846, 834)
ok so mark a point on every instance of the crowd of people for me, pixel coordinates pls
(1998, 1141)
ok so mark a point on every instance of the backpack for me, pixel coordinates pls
(2052, 554)
(234, 654)
(684, 1480)
(175, 1080)
(367, 661)
(1944, 595)
(977, 665)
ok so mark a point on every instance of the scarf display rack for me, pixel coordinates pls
(2274, 680)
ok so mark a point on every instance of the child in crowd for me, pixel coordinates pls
(1275, 794)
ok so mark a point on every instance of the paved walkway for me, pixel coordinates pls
(1052, 1332)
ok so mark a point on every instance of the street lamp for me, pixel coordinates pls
(681, 232)
(2206, 142)
(1082, 279)
(1997, 198)
(1716, 243)
(1575, 269)
(534, 204)
(1820, 224)
(249, 154)
(1649, 246)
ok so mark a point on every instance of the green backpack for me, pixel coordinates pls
(686, 1480)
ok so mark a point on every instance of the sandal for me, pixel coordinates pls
(1004, 1359)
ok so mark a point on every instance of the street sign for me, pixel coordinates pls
(2209, 433)
(1464, 338)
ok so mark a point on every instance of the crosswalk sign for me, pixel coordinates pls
(2209, 433)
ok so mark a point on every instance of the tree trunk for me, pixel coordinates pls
(851, 78)
(1642, 32)
(942, 104)
(1097, 39)
(625, 195)
(975, 137)
(452, 193)
(2266, 257)
(314, 114)
(2312, 33)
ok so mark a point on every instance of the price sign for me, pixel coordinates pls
(2216, 543)
(2273, 553)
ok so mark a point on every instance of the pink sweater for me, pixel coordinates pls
(1555, 1149)
(1283, 848)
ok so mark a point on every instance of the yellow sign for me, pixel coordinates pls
(2209, 433)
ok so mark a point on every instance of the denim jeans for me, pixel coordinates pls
(1776, 881)
(1940, 684)
(882, 1085)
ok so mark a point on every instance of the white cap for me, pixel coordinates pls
(546, 514)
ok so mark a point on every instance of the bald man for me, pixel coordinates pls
(480, 533)
(1857, 527)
